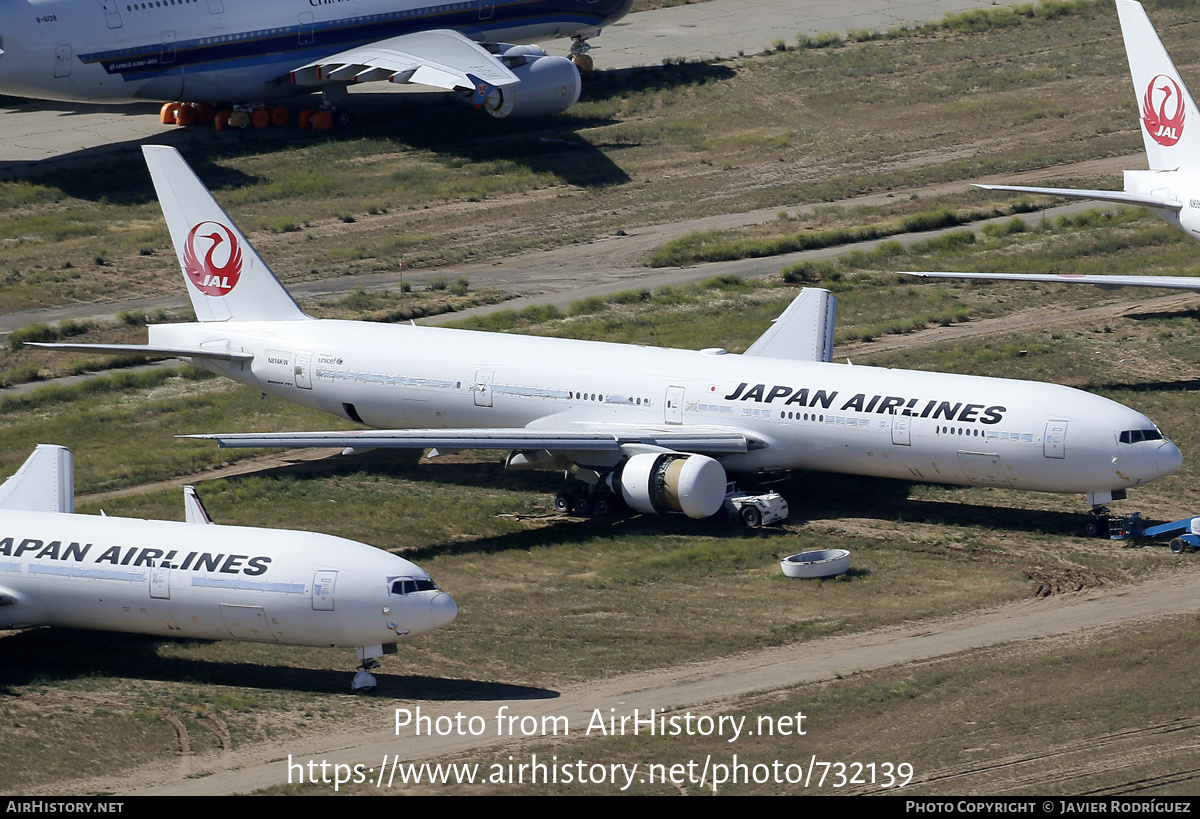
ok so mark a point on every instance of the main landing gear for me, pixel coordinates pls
(254, 115)
(586, 501)
(579, 53)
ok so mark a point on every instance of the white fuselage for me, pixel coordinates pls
(913, 425)
(209, 582)
(215, 50)
(1180, 186)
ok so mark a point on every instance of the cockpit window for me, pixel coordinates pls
(1136, 436)
(409, 585)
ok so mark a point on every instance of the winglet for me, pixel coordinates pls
(44, 483)
(226, 279)
(1170, 122)
(804, 331)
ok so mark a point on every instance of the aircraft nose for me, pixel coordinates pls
(442, 610)
(1168, 459)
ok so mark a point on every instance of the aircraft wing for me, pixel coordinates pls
(440, 58)
(217, 353)
(1103, 282)
(594, 438)
(1148, 200)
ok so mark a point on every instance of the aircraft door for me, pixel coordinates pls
(160, 583)
(901, 430)
(217, 7)
(306, 28)
(482, 388)
(62, 60)
(322, 590)
(486, 9)
(168, 48)
(673, 411)
(1055, 443)
(303, 371)
(112, 13)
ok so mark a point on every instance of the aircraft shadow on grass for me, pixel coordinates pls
(452, 132)
(825, 496)
(829, 497)
(45, 654)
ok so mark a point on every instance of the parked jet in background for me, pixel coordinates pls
(1170, 130)
(199, 580)
(1171, 133)
(1104, 282)
(217, 51)
(655, 428)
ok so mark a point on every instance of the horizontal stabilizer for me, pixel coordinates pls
(216, 354)
(804, 331)
(44, 483)
(593, 440)
(1103, 282)
(1147, 200)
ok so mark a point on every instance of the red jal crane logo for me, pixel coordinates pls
(218, 273)
(1164, 124)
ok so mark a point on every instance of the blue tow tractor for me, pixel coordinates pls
(1184, 533)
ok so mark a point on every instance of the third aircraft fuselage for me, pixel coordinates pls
(914, 425)
(114, 50)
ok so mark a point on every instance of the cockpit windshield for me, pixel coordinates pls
(410, 585)
(1136, 436)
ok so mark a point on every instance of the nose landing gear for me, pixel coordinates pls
(364, 680)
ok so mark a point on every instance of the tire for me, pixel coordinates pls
(342, 118)
(752, 517)
(582, 507)
(1095, 528)
(602, 507)
(562, 503)
(1178, 545)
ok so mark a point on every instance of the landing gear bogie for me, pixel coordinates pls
(584, 503)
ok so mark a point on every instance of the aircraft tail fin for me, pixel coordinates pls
(804, 331)
(226, 279)
(1170, 121)
(44, 483)
(193, 508)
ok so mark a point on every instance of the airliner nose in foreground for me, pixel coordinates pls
(1169, 459)
(442, 610)
(1145, 454)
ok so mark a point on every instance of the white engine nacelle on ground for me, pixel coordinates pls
(549, 85)
(660, 482)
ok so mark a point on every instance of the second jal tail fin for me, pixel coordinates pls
(1170, 122)
(226, 278)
